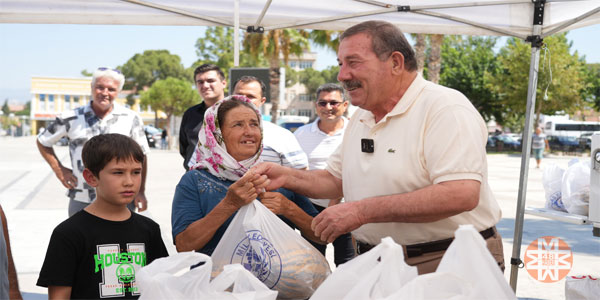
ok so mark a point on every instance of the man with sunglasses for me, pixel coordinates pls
(319, 140)
(101, 115)
(412, 164)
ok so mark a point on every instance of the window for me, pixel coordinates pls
(51, 103)
(67, 102)
(305, 112)
(42, 104)
(293, 64)
(304, 97)
(305, 64)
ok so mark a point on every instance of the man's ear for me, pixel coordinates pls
(397, 60)
(263, 100)
(90, 178)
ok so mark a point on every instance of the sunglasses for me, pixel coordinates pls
(105, 68)
(332, 103)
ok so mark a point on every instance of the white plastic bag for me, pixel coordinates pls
(160, 280)
(373, 275)
(438, 285)
(576, 188)
(468, 258)
(245, 285)
(272, 251)
(582, 288)
(171, 278)
(552, 181)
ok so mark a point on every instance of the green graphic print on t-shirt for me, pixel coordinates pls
(118, 268)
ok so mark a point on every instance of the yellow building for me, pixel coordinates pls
(53, 95)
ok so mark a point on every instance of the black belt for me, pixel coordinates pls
(422, 248)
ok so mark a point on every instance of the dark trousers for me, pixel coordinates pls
(343, 247)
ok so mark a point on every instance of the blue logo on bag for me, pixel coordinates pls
(258, 256)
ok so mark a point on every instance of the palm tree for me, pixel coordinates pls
(434, 64)
(420, 46)
(272, 45)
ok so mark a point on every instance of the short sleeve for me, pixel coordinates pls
(138, 135)
(293, 156)
(186, 204)
(59, 266)
(158, 245)
(454, 145)
(55, 131)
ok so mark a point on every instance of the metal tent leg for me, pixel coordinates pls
(525, 154)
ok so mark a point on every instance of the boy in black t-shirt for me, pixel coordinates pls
(96, 253)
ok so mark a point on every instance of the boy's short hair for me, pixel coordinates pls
(100, 150)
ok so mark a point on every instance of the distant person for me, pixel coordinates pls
(9, 284)
(210, 83)
(97, 252)
(319, 140)
(163, 139)
(101, 115)
(538, 145)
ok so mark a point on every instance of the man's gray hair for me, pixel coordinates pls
(385, 39)
(109, 73)
(331, 87)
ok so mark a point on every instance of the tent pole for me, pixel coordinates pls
(236, 34)
(525, 154)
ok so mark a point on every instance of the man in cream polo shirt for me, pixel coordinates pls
(412, 164)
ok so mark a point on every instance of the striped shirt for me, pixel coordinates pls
(281, 147)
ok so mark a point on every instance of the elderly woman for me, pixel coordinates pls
(207, 197)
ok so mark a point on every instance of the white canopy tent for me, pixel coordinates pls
(530, 20)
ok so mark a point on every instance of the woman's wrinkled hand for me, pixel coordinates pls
(275, 202)
(242, 191)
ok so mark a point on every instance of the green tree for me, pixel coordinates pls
(86, 73)
(312, 78)
(5, 108)
(172, 96)
(592, 91)
(271, 46)
(469, 66)
(26, 111)
(329, 39)
(142, 70)
(216, 47)
(560, 73)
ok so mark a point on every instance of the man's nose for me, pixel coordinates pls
(343, 74)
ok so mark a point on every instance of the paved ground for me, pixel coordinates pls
(35, 202)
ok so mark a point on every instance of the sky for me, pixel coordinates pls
(65, 50)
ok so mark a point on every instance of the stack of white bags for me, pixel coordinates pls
(467, 271)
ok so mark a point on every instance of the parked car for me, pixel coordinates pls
(503, 142)
(515, 136)
(153, 135)
(585, 140)
(564, 143)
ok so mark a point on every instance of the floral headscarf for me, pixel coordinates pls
(211, 151)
